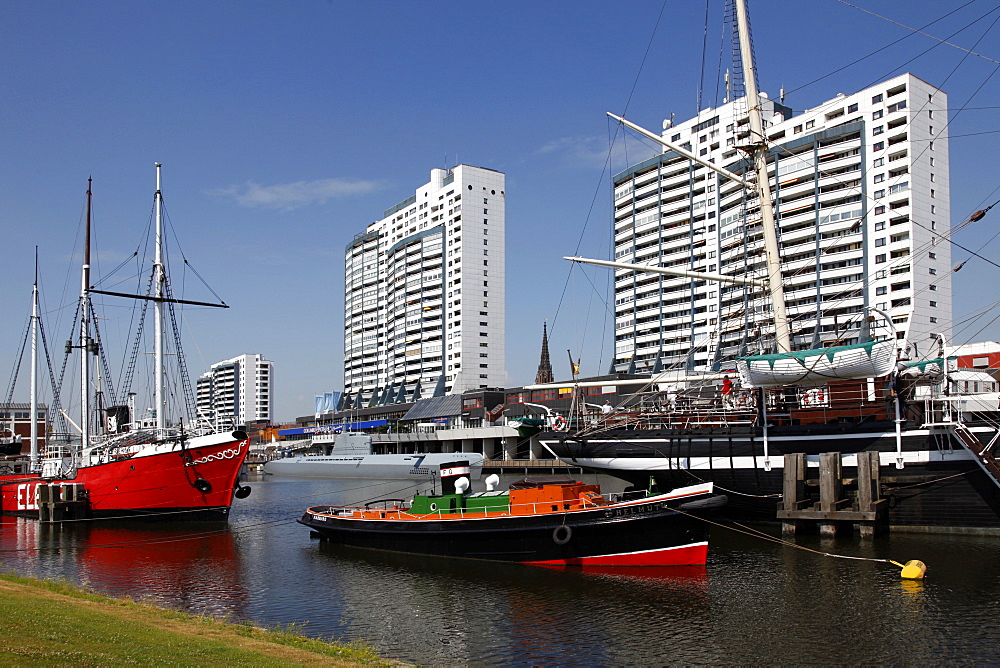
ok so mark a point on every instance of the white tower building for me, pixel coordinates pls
(861, 197)
(236, 391)
(424, 293)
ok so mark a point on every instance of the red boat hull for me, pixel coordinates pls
(197, 481)
(694, 554)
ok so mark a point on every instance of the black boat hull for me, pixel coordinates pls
(939, 488)
(659, 531)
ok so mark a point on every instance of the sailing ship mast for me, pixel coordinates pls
(34, 368)
(158, 281)
(757, 151)
(85, 331)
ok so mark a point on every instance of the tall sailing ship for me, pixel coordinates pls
(936, 446)
(122, 467)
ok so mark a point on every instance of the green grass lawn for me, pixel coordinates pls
(48, 623)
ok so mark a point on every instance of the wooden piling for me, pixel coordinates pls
(830, 489)
(59, 502)
(794, 490)
(870, 495)
(868, 513)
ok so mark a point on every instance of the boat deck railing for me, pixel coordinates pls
(550, 507)
(708, 408)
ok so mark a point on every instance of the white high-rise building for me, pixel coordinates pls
(237, 391)
(424, 294)
(861, 193)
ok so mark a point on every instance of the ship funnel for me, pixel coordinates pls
(450, 473)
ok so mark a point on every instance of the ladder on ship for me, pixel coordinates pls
(983, 455)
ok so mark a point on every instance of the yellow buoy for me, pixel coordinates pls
(913, 570)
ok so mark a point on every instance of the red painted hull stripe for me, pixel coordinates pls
(682, 555)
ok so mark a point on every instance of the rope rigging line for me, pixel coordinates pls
(890, 44)
(920, 30)
(755, 533)
(15, 371)
(604, 170)
(56, 409)
(856, 185)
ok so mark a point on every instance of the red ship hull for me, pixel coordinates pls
(197, 481)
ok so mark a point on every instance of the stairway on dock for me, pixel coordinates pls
(983, 455)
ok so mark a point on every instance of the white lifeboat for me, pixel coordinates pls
(819, 365)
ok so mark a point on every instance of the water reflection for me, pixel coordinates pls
(456, 611)
(191, 567)
(754, 603)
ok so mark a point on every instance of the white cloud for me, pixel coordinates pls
(592, 152)
(288, 196)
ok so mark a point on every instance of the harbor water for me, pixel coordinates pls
(756, 602)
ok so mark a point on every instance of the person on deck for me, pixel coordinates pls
(727, 392)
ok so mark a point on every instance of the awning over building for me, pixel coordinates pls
(447, 406)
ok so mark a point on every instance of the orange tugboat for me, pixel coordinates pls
(543, 521)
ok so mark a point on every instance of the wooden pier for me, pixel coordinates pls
(841, 501)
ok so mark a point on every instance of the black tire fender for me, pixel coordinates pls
(562, 534)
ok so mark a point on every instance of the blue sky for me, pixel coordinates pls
(285, 128)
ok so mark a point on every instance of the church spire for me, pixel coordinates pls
(544, 374)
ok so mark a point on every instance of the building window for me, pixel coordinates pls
(881, 290)
(879, 178)
(797, 129)
(878, 146)
(880, 226)
(852, 108)
(877, 114)
(878, 162)
(933, 320)
(879, 194)
(877, 98)
(880, 209)
(880, 258)
(878, 129)
(880, 242)
(810, 124)
(933, 304)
